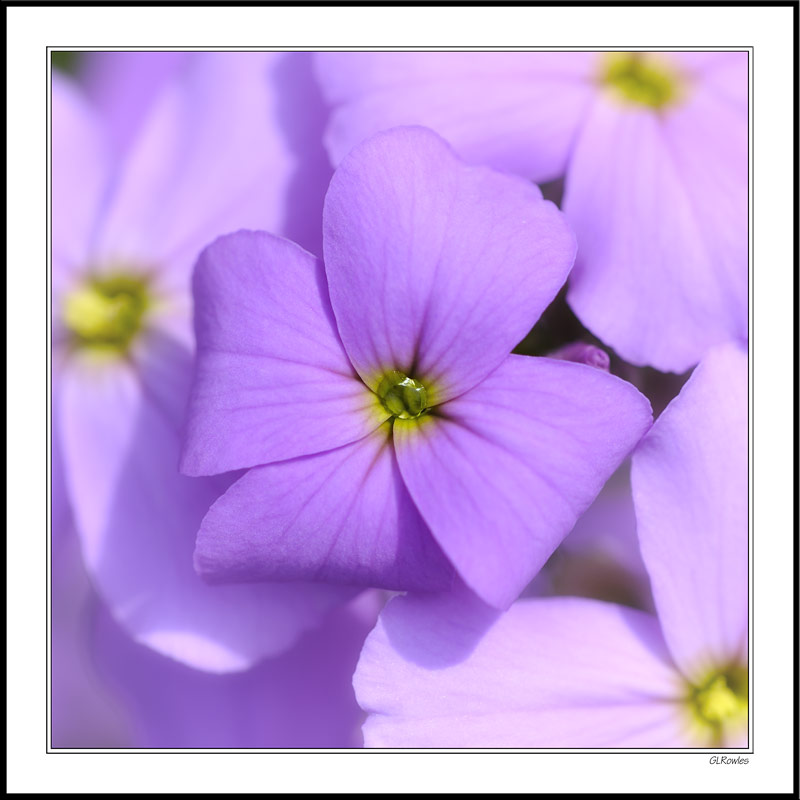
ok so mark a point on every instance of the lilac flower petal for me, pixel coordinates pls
(81, 170)
(659, 206)
(560, 672)
(725, 73)
(137, 518)
(83, 712)
(272, 380)
(60, 510)
(209, 159)
(517, 112)
(436, 269)
(343, 516)
(690, 492)
(502, 476)
(301, 114)
(123, 85)
(302, 698)
(728, 77)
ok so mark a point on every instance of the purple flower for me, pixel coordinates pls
(210, 156)
(654, 148)
(393, 437)
(570, 672)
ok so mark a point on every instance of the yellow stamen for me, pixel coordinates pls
(643, 79)
(107, 312)
(718, 704)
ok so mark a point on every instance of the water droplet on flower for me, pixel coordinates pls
(402, 397)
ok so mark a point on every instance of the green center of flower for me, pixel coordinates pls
(402, 396)
(720, 701)
(107, 312)
(641, 79)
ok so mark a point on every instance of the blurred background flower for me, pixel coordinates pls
(205, 146)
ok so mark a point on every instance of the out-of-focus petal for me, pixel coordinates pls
(600, 558)
(209, 159)
(272, 380)
(60, 511)
(436, 269)
(504, 473)
(342, 516)
(137, 518)
(302, 698)
(557, 672)
(302, 114)
(83, 712)
(81, 171)
(659, 206)
(723, 72)
(609, 526)
(517, 112)
(690, 492)
(123, 85)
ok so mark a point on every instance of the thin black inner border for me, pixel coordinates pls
(751, 385)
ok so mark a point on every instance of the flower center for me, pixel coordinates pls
(107, 312)
(641, 79)
(719, 703)
(402, 396)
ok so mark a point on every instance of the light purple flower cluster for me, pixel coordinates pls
(384, 391)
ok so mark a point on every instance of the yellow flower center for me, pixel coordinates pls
(718, 704)
(644, 79)
(107, 312)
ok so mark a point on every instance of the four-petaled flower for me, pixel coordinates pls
(392, 437)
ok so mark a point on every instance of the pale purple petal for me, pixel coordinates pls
(436, 269)
(137, 518)
(209, 159)
(504, 473)
(659, 206)
(81, 171)
(559, 672)
(301, 113)
(272, 380)
(60, 511)
(690, 491)
(83, 712)
(724, 73)
(517, 112)
(302, 698)
(123, 85)
(342, 516)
